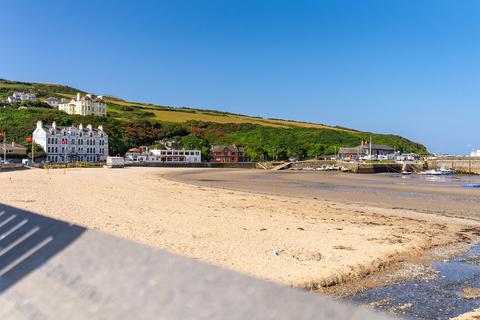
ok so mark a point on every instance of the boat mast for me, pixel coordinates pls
(370, 151)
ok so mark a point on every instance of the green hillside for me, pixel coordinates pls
(131, 124)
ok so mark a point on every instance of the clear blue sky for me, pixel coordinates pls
(405, 67)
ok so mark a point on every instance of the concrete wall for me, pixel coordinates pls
(465, 165)
(74, 273)
(234, 165)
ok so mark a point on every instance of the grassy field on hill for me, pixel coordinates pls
(131, 124)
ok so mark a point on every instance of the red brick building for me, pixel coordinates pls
(227, 154)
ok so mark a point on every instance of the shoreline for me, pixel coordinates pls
(409, 265)
(305, 243)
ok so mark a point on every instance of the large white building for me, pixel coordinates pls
(475, 153)
(163, 155)
(85, 106)
(21, 96)
(69, 144)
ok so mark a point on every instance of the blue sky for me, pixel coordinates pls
(405, 67)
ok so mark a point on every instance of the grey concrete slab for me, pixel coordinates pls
(67, 272)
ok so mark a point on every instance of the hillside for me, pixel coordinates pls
(131, 124)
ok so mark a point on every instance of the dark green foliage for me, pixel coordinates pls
(192, 142)
(132, 126)
(40, 89)
(259, 141)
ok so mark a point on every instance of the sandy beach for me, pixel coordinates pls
(303, 242)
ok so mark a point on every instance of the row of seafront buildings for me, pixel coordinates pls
(367, 150)
(170, 154)
(89, 144)
(70, 144)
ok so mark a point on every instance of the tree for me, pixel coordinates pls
(38, 150)
(192, 142)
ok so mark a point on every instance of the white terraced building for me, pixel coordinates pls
(163, 155)
(85, 106)
(70, 144)
(21, 96)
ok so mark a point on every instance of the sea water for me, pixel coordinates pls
(439, 298)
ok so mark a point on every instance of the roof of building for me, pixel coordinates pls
(381, 147)
(359, 148)
(92, 98)
(60, 128)
(350, 150)
(14, 147)
(231, 148)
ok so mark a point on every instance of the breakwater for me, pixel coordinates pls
(354, 167)
(460, 165)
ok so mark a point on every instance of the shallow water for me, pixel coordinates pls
(441, 298)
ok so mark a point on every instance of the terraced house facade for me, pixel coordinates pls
(70, 144)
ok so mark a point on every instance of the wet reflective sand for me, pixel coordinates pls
(449, 195)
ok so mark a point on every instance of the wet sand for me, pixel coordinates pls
(306, 242)
(441, 196)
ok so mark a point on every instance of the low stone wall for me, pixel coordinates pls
(232, 165)
(465, 165)
(11, 166)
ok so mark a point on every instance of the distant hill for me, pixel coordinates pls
(131, 124)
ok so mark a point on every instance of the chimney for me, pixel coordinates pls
(89, 126)
(54, 125)
(78, 96)
(80, 127)
(100, 127)
(39, 124)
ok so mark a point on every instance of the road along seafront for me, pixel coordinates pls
(303, 242)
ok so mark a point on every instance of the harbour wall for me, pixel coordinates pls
(354, 167)
(460, 165)
(312, 163)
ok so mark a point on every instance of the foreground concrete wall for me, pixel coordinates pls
(54, 270)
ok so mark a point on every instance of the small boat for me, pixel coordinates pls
(406, 173)
(438, 172)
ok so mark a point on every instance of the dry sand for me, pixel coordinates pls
(300, 242)
(474, 315)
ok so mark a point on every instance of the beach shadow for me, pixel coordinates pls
(28, 240)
